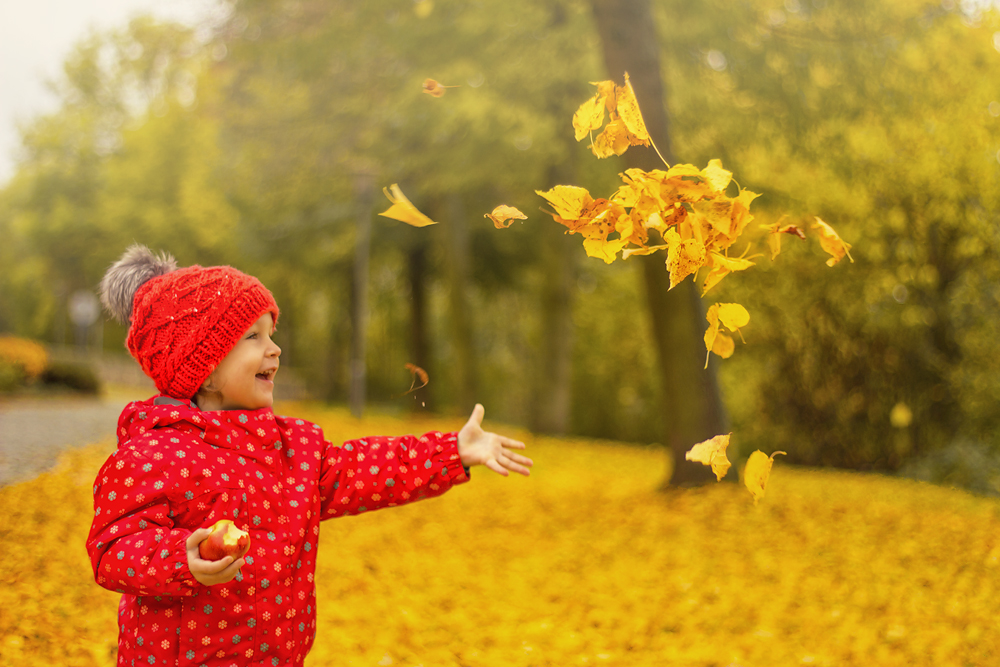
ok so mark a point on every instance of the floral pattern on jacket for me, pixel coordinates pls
(177, 469)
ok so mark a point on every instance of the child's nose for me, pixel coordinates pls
(275, 351)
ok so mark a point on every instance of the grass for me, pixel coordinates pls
(585, 563)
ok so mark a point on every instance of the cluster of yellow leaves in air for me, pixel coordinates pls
(625, 124)
(688, 208)
(848, 569)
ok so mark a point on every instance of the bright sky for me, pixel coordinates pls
(37, 35)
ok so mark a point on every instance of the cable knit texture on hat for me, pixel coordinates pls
(186, 321)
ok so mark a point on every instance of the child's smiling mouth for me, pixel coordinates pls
(267, 376)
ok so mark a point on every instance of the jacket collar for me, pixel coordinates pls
(251, 430)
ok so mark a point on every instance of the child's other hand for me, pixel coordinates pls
(210, 572)
(479, 447)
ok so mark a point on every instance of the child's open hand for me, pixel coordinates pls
(210, 572)
(479, 447)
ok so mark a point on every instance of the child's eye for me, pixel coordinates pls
(253, 335)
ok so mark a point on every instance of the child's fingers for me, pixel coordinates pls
(211, 567)
(493, 465)
(511, 443)
(517, 458)
(197, 537)
(508, 462)
(211, 572)
(231, 571)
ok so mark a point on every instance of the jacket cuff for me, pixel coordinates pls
(447, 456)
(181, 579)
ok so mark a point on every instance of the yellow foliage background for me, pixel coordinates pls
(585, 563)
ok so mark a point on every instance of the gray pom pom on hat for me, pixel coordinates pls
(137, 266)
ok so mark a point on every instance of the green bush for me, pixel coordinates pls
(965, 464)
(78, 377)
(11, 376)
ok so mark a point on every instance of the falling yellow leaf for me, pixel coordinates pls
(416, 372)
(614, 140)
(716, 176)
(432, 87)
(756, 473)
(730, 315)
(603, 249)
(733, 315)
(722, 266)
(569, 201)
(712, 453)
(502, 214)
(402, 209)
(684, 257)
(646, 250)
(832, 243)
(628, 109)
(589, 117)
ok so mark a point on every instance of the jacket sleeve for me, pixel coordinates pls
(134, 546)
(372, 473)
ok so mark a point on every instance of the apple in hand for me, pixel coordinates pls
(225, 540)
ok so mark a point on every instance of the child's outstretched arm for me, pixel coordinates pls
(479, 447)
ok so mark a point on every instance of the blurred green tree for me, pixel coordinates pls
(881, 119)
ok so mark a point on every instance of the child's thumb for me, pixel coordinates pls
(477, 414)
(197, 537)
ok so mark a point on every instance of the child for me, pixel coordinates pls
(208, 447)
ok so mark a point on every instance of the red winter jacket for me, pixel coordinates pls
(177, 469)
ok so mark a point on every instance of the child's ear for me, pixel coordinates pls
(208, 386)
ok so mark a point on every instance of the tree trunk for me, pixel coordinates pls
(551, 407)
(459, 277)
(693, 409)
(419, 344)
(554, 376)
(364, 194)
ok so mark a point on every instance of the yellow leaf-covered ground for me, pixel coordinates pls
(582, 564)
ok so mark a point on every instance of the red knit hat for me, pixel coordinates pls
(183, 322)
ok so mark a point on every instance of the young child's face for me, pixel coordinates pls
(244, 379)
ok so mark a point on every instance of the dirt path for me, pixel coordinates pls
(33, 432)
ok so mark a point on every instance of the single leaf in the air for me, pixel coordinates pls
(730, 315)
(628, 109)
(716, 176)
(647, 250)
(722, 266)
(614, 140)
(603, 249)
(402, 209)
(775, 230)
(416, 373)
(684, 257)
(712, 453)
(733, 316)
(503, 216)
(434, 88)
(569, 201)
(741, 218)
(832, 243)
(589, 117)
(717, 214)
(756, 473)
